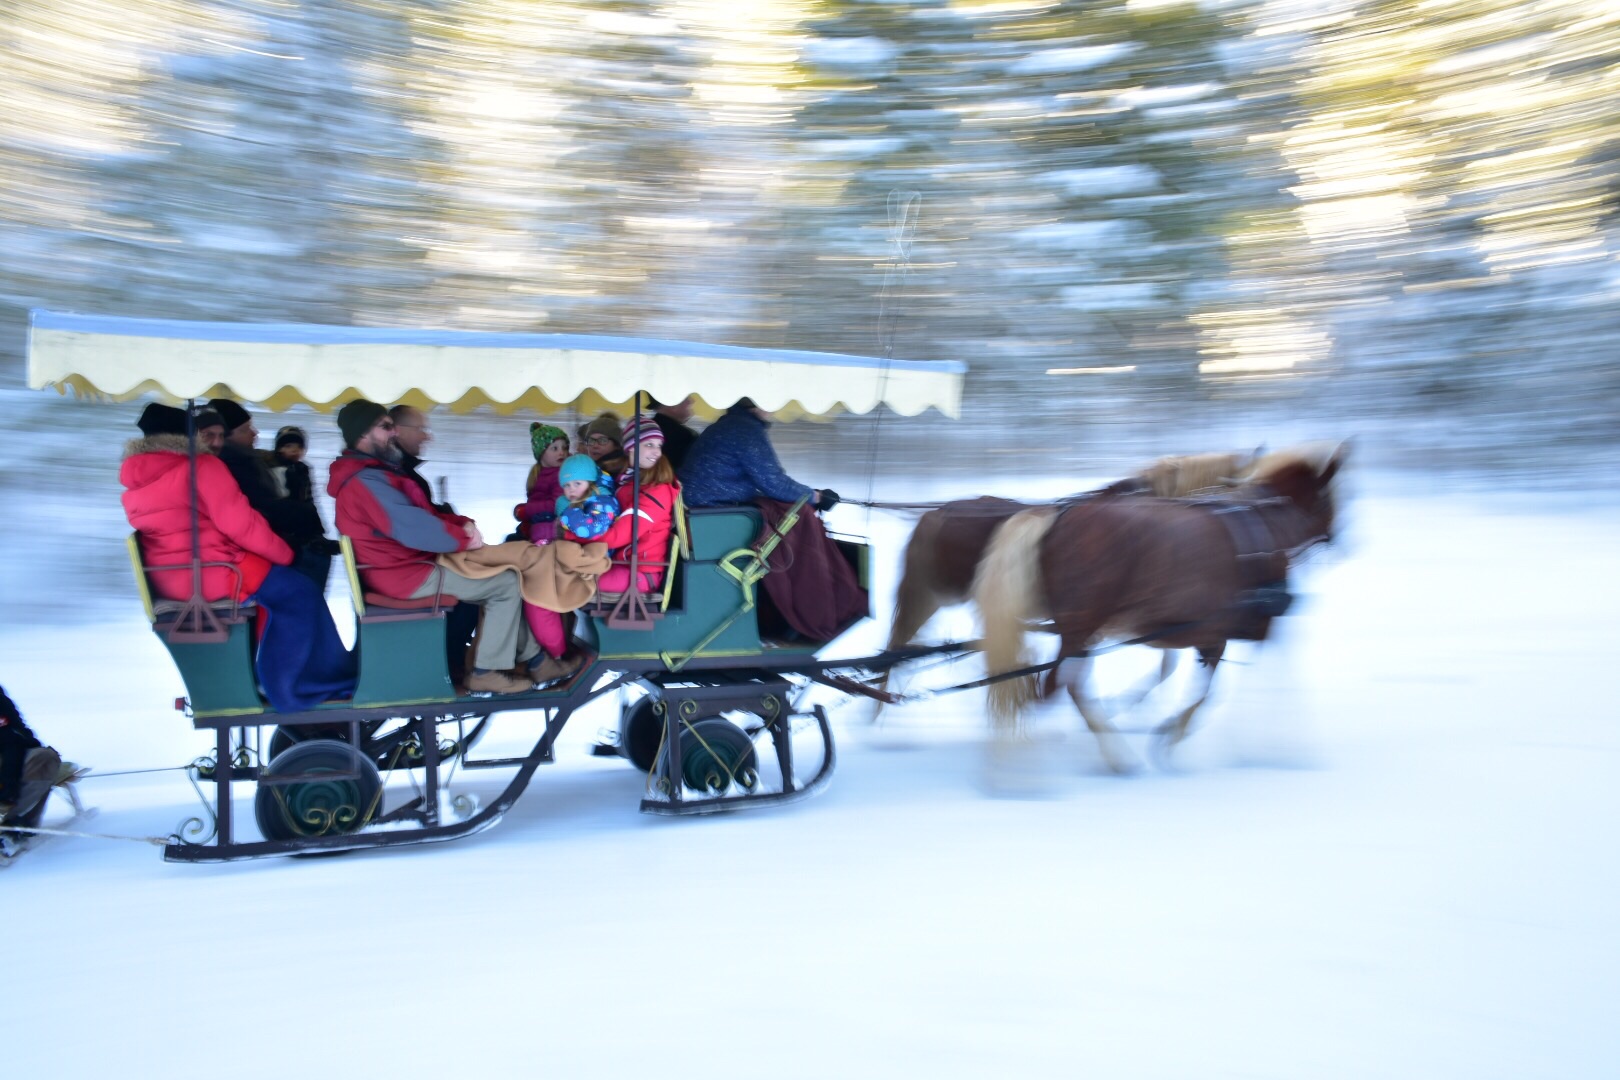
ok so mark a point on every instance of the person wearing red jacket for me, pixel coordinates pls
(653, 513)
(300, 659)
(398, 536)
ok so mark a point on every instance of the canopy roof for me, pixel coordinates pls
(279, 365)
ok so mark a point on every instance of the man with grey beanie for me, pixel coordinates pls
(398, 535)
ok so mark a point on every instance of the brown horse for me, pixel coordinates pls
(1187, 573)
(949, 541)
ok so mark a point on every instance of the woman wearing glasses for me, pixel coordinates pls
(603, 440)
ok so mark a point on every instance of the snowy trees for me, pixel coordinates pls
(1418, 203)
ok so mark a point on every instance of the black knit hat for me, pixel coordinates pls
(207, 418)
(162, 420)
(230, 412)
(358, 417)
(289, 436)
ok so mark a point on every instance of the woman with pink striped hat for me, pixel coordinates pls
(653, 511)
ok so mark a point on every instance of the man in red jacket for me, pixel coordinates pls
(397, 535)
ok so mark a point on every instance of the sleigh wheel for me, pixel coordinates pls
(284, 738)
(715, 754)
(641, 730)
(381, 750)
(337, 791)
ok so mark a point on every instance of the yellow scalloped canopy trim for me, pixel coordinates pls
(324, 367)
(590, 403)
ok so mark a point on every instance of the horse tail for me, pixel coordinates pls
(1006, 589)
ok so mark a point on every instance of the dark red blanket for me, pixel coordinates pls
(811, 584)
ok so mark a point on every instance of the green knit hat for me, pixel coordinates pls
(358, 417)
(543, 435)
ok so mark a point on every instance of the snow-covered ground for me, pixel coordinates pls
(1386, 852)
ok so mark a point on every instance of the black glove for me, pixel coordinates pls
(826, 499)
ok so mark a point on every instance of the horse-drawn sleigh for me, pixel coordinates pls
(715, 725)
(717, 718)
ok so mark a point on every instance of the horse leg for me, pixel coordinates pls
(1138, 693)
(1074, 674)
(1173, 730)
(915, 603)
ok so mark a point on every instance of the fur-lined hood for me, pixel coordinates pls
(146, 444)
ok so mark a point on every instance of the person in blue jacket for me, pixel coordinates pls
(733, 462)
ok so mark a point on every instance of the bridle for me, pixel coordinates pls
(1252, 524)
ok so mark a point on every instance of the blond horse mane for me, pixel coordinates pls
(1316, 456)
(1185, 474)
(1005, 589)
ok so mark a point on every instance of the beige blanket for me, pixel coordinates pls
(559, 576)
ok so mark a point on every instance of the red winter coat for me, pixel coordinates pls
(657, 513)
(158, 505)
(396, 532)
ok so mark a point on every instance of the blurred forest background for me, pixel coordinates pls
(1135, 221)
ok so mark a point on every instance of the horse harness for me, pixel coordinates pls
(1262, 569)
(1262, 563)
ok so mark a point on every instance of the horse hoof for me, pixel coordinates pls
(1106, 760)
(1162, 748)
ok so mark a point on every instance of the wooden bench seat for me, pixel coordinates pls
(426, 604)
(401, 642)
(218, 675)
(162, 609)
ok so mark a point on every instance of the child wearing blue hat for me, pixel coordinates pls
(584, 512)
(583, 515)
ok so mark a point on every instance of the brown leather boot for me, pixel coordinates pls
(551, 669)
(496, 682)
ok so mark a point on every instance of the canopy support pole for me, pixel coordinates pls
(197, 622)
(631, 612)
